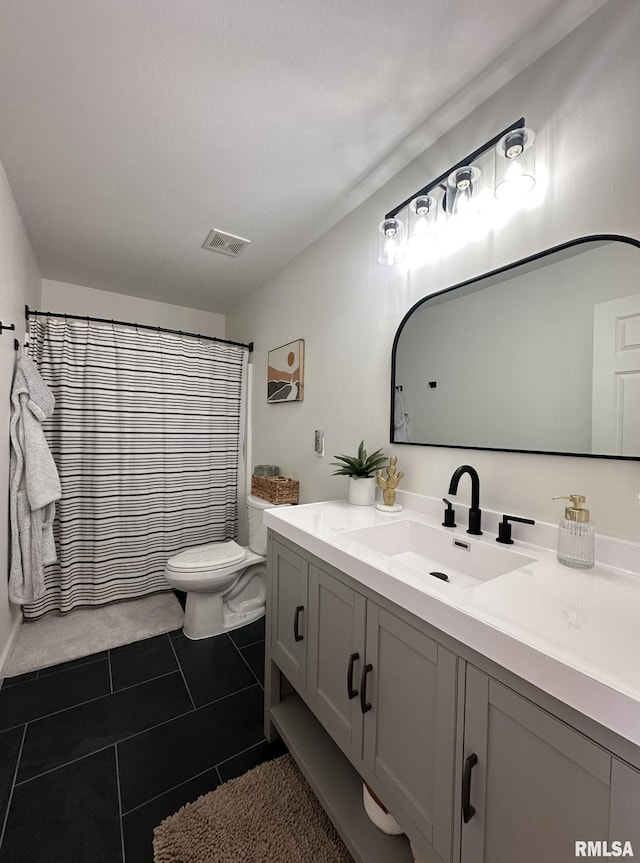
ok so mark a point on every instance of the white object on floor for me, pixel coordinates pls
(57, 638)
(225, 583)
(381, 818)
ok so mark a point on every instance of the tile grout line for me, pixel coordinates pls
(40, 676)
(213, 701)
(242, 752)
(184, 679)
(89, 700)
(215, 767)
(246, 663)
(101, 749)
(13, 785)
(248, 644)
(115, 754)
(110, 672)
(167, 791)
(135, 734)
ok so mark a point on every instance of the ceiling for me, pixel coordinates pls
(130, 128)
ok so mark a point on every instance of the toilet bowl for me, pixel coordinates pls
(225, 582)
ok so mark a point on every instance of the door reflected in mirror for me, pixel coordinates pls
(541, 356)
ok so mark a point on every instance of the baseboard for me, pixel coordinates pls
(6, 651)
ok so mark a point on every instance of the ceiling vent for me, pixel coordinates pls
(226, 244)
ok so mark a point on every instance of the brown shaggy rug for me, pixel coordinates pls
(269, 815)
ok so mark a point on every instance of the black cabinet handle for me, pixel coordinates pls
(364, 704)
(468, 811)
(350, 690)
(296, 624)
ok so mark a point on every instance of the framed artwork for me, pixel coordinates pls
(285, 373)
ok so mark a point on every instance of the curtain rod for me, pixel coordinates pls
(28, 312)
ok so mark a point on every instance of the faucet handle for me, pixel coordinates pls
(504, 528)
(449, 514)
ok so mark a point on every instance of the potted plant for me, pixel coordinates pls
(361, 470)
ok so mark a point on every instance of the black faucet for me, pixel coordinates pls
(475, 513)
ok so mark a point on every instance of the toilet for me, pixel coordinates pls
(225, 582)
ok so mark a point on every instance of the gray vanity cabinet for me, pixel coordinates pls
(289, 613)
(387, 699)
(474, 771)
(624, 824)
(336, 657)
(409, 732)
(531, 785)
(383, 690)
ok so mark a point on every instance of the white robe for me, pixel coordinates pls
(34, 484)
(400, 419)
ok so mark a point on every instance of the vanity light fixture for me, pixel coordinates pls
(458, 193)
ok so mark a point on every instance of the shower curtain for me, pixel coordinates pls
(146, 436)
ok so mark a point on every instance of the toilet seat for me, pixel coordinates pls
(204, 558)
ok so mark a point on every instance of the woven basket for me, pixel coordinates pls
(275, 489)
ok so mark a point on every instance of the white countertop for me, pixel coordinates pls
(574, 633)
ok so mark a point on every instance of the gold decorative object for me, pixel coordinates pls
(389, 484)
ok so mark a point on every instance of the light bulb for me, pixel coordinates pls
(423, 214)
(390, 241)
(390, 250)
(514, 167)
(463, 187)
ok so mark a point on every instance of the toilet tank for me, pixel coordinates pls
(257, 529)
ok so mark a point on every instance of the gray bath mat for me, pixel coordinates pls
(269, 815)
(57, 638)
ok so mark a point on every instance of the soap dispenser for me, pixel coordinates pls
(576, 538)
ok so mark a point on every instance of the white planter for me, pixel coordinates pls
(362, 490)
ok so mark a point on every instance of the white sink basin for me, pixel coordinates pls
(415, 548)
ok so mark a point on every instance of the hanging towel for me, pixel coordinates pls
(34, 484)
(400, 419)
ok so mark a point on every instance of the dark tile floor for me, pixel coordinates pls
(94, 753)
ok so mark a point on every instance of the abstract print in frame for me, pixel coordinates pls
(285, 373)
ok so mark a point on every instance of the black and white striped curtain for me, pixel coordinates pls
(146, 436)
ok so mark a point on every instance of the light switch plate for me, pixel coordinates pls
(319, 442)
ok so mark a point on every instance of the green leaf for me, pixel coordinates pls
(362, 465)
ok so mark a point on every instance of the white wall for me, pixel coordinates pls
(19, 286)
(80, 300)
(583, 100)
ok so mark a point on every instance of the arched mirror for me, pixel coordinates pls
(540, 356)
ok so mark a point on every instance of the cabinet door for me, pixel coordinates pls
(289, 614)
(624, 821)
(409, 731)
(537, 787)
(336, 657)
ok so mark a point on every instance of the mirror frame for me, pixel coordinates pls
(591, 238)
